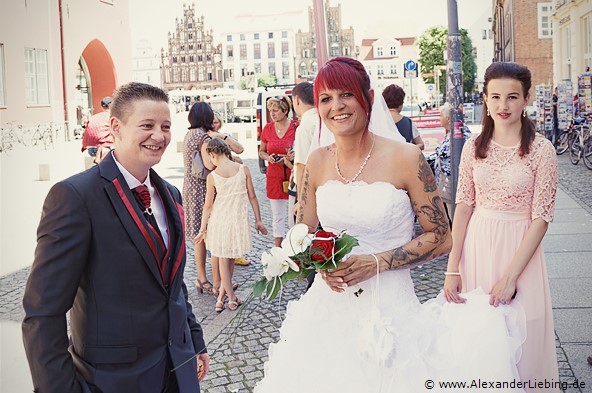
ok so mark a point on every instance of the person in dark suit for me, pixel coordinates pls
(114, 256)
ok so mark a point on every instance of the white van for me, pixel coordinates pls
(245, 109)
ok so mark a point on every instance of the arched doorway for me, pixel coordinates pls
(97, 64)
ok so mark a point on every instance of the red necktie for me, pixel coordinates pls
(143, 197)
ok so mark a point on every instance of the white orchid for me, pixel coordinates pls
(297, 239)
(277, 262)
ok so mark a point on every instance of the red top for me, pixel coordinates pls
(97, 131)
(277, 173)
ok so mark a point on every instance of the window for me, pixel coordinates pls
(257, 51)
(192, 74)
(210, 77)
(379, 69)
(2, 94)
(270, 50)
(379, 51)
(36, 76)
(303, 69)
(256, 36)
(285, 70)
(315, 67)
(393, 51)
(284, 34)
(545, 10)
(174, 59)
(189, 25)
(228, 38)
(271, 68)
(200, 58)
(285, 50)
(242, 37)
(182, 59)
(270, 35)
(334, 51)
(257, 68)
(393, 69)
(190, 46)
(243, 51)
(190, 36)
(191, 59)
(586, 40)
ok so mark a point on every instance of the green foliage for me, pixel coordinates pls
(432, 44)
(266, 80)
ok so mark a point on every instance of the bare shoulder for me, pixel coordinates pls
(402, 152)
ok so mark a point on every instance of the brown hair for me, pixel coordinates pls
(126, 94)
(217, 146)
(283, 102)
(505, 70)
(394, 95)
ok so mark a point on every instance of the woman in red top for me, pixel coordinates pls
(277, 139)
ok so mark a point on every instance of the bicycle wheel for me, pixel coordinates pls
(587, 153)
(575, 150)
(563, 142)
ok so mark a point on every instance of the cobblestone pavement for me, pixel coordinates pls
(239, 347)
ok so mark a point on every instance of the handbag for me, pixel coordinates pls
(445, 188)
(198, 168)
(285, 183)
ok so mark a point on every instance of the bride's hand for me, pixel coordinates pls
(354, 270)
(452, 288)
(503, 292)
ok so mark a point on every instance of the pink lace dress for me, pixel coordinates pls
(508, 193)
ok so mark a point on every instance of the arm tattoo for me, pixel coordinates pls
(435, 215)
(425, 175)
(304, 201)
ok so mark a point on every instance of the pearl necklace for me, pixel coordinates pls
(361, 167)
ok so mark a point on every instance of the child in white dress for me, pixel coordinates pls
(225, 220)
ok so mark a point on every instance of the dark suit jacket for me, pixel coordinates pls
(94, 259)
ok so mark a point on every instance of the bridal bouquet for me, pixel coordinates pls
(301, 255)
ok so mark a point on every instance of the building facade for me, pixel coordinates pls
(248, 55)
(482, 38)
(340, 42)
(57, 71)
(572, 39)
(384, 60)
(193, 60)
(146, 66)
(523, 33)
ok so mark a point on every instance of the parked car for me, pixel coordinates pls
(245, 107)
(263, 117)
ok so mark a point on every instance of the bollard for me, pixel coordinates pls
(180, 147)
(88, 162)
(43, 172)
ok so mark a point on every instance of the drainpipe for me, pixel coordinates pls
(66, 122)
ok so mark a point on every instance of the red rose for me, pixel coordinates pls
(323, 249)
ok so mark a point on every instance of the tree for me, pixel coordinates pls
(266, 80)
(432, 44)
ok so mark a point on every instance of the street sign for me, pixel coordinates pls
(430, 87)
(410, 65)
(411, 73)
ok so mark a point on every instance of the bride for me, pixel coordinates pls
(360, 328)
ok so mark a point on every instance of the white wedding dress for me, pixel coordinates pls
(385, 340)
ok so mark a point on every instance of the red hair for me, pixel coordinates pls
(344, 73)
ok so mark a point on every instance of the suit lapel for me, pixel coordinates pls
(174, 214)
(123, 203)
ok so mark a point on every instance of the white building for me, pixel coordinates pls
(146, 68)
(384, 59)
(262, 52)
(572, 39)
(482, 38)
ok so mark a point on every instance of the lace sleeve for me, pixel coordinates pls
(545, 183)
(465, 191)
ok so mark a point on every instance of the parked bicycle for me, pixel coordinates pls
(564, 137)
(580, 143)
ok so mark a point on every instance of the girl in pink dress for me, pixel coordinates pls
(504, 203)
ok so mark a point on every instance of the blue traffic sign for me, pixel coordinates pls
(410, 65)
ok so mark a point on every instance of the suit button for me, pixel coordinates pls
(170, 342)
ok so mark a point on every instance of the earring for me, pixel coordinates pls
(488, 114)
(524, 113)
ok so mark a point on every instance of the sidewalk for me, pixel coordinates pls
(239, 348)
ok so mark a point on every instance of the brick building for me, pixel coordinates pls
(340, 42)
(523, 33)
(193, 61)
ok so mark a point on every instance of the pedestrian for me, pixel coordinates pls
(394, 96)
(201, 118)
(225, 220)
(303, 98)
(237, 148)
(443, 169)
(554, 133)
(111, 252)
(97, 139)
(277, 139)
(505, 200)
